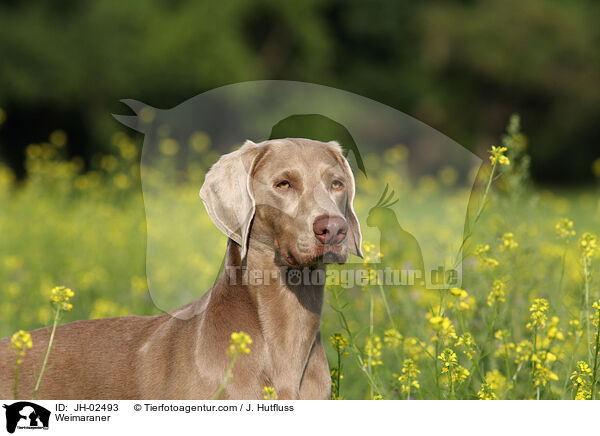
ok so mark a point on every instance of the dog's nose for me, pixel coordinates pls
(330, 230)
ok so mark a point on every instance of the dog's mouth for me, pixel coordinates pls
(291, 260)
(327, 254)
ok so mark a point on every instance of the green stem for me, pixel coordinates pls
(50, 341)
(389, 314)
(477, 215)
(562, 269)
(338, 377)
(508, 364)
(516, 374)
(485, 193)
(533, 357)
(371, 330)
(356, 351)
(15, 388)
(463, 329)
(441, 312)
(587, 307)
(572, 360)
(596, 350)
(437, 371)
(228, 375)
(387, 307)
(483, 350)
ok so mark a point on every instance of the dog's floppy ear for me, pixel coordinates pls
(227, 196)
(354, 234)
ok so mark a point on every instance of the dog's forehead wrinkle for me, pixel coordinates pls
(303, 160)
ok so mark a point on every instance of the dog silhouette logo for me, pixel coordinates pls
(26, 415)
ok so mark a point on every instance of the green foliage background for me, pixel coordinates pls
(461, 66)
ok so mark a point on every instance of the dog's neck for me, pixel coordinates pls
(265, 279)
(288, 303)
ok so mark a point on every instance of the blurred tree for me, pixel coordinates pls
(460, 66)
(538, 57)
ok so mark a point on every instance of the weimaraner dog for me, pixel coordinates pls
(286, 206)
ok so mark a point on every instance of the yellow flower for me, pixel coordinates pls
(371, 256)
(554, 331)
(334, 374)
(538, 314)
(542, 374)
(239, 343)
(121, 181)
(199, 141)
(269, 393)
(373, 350)
(443, 328)
(502, 335)
(338, 341)
(495, 380)
(497, 294)
(481, 251)
(20, 342)
(169, 147)
(564, 229)
(109, 163)
(508, 242)
(392, 338)
(583, 394)
(413, 347)
(486, 392)
(464, 302)
(575, 329)
(103, 308)
(458, 292)
(139, 285)
(523, 351)
(147, 114)
(467, 342)
(451, 366)
(60, 296)
(596, 315)
(408, 378)
(588, 244)
(581, 379)
(505, 348)
(497, 155)
(334, 378)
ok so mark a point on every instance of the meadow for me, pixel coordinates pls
(522, 325)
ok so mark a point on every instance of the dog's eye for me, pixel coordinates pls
(284, 184)
(337, 185)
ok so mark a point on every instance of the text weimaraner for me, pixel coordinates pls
(285, 205)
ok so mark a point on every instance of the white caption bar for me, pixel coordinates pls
(294, 417)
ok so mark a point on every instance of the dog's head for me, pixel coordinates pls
(293, 195)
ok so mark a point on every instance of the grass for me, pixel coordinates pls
(523, 323)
